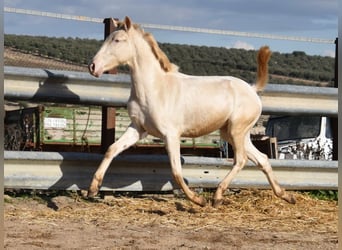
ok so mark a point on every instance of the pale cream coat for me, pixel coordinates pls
(168, 104)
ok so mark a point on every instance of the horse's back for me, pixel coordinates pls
(222, 91)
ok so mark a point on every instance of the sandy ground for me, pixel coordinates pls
(248, 219)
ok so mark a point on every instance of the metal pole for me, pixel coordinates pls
(108, 113)
(334, 120)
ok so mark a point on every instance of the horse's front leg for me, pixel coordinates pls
(173, 149)
(131, 136)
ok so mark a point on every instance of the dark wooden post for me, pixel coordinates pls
(108, 29)
(108, 113)
(334, 120)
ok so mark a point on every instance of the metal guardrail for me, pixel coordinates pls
(44, 170)
(300, 100)
(73, 171)
(42, 85)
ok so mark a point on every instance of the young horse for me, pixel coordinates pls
(168, 104)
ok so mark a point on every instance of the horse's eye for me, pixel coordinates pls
(115, 40)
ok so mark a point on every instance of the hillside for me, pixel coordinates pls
(13, 57)
(293, 68)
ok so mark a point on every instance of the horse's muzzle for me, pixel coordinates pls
(92, 68)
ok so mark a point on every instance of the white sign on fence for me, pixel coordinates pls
(55, 122)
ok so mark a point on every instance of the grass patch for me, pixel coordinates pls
(327, 195)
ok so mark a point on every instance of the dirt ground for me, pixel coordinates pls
(248, 219)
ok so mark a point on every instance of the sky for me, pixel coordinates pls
(305, 18)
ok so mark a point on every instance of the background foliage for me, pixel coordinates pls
(289, 68)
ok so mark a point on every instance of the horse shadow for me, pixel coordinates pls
(54, 90)
(146, 173)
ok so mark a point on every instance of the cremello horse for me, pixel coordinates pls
(168, 104)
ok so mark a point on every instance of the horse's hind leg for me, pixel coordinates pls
(261, 160)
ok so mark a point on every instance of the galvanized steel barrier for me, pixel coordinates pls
(42, 85)
(62, 171)
(51, 170)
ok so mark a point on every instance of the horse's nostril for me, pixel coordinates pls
(92, 67)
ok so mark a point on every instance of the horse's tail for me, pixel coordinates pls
(263, 57)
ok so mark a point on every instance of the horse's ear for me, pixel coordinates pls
(128, 23)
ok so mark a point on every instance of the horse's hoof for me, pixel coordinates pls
(92, 193)
(201, 201)
(290, 199)
(217, 203)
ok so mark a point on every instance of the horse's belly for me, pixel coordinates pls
(202, 126)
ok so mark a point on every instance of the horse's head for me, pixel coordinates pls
(116, 49)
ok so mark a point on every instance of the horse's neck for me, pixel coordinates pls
(146, 76)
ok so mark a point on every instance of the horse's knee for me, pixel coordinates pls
(110, 151)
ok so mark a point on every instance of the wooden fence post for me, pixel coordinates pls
(108, 113)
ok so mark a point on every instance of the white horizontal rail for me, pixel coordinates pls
(73, 171)
(42, 85)
(171, 28)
